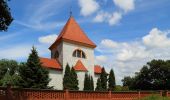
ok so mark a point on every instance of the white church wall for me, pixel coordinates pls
(58, 48)
(88, 62)
(56, 77)
(80, 76)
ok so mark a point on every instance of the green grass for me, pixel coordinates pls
(155, 97)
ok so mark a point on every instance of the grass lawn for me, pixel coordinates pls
(155, 97)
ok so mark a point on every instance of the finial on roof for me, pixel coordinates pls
(70, 11)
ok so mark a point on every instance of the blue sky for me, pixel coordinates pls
(128, 33)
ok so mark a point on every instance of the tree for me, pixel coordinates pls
(67, 79)
(5, 15)
(98, 85)
(128, 82)
(74, 80)
(8, 72)
(155, 75)
(32, 74)
(111, 81)
(91, 83)
(103, 78)
(86, 82)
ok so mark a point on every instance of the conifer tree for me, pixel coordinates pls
(86, 83)
(67, 78)
(91, 84)
(103, 78)
(32, 74)
(98, 85)
(111, 80)
(74, 80)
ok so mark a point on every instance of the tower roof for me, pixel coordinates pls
(79, 66)
(74, 34)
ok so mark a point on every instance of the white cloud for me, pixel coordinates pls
(115, 18)
(111, 18)
(126, 58)
(109, 43)
(20, 52)
(126, 5)
(101, 59)
(48, 39)
(156, 38)
(101, 17)
(88, 7)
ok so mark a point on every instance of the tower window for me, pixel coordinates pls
(56, 55)
(79, 53)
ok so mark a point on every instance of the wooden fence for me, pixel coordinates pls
(8, 93)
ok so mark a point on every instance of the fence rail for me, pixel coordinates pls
(8, 93)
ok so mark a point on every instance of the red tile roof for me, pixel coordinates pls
(73, 33)
(79, 66)
(97, 69)
(50, 63)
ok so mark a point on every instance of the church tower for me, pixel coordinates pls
(73, 47)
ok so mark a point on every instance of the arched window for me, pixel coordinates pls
(79, 53)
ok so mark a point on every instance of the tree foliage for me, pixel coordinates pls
(32, 74)
(101, 84)
(155, 75)
(8, 72)
(111, 80)
(74, 80)
(70, 80)
(91, 83)
(98, 85)
(103, 78)
(5, 15)
(88, 83)
(66, 78)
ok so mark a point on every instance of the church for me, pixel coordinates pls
(72, 47)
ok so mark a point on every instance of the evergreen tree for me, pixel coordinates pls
(103, 78)
(111, 80)
(91, 84)
(98, 85)
(32, 74)
(86, 83)
(74, 80)
(67, 78)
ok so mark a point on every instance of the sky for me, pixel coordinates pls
(128, 33)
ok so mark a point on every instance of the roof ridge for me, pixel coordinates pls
(73, 32)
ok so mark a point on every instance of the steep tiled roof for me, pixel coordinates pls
(97, 69)
(74, 34)
(79, 66)
(50, 63)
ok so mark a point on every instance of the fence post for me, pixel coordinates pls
(167, 93)
(9, 93)
(139, 94)
(110, 95)
(66, 94)
(161, 93)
